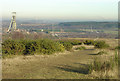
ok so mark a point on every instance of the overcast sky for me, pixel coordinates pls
(61, 9)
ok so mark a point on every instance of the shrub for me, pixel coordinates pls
(75, 42)
(50, 46)
(68, 46)
(80, 48)
(101, 44)
(12, 47)
(30, 47)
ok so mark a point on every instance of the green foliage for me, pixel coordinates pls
(80, 48)
(97, 44)
(12, 47)
(30, 47)
(68, 46)
(75, 42)
(101, 45)
(50, 46)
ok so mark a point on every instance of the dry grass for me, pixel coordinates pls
(48, 66)
(86, 46)
(60, 65)
(111, 74)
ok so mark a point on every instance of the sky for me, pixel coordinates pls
(79, 10)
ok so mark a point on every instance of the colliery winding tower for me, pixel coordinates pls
(12, 26)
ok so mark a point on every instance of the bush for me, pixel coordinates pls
(25, 47)
(80, 48)
(30, 47)
(75, 42)
(101, 44)
(68, 46)
(50, 46)
(89, 42)
(12, 47)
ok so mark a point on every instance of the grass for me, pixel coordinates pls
(101, 53)
(80, 48)
(64, 66)
(98, 65)
(106, 68)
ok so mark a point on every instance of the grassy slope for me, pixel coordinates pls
(70, 65)
(63, 66)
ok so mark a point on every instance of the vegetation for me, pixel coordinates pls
(97, 44)
(45, 46)
(104, 66)
(30, 47)
(73, 42)
(89, 42)
(86, 25)
(101, 45)
(68, 46)
(118, 47)
(98, 65)
(80, 48)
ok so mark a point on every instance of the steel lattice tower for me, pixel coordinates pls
(12, 26)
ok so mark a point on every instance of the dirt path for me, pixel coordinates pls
(64, 66)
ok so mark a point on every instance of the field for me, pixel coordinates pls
(70, 29)
(72, 64)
